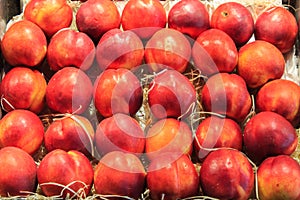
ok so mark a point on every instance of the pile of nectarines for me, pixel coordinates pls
(149, 99)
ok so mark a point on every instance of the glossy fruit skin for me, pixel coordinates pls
(278, 26)
(214, 51)
(168, 136)
(23, 129)
(70, 133)
(269, 134)
(280, 96)
(119, 49)
(216, 132)
(16, 166)
(69, 90)
(255, 67)
(172, 178)
(96, 17)
(119, 173)
(171, 95)
(234, 19)
(24, 33)
(41, 13)
(227, 174)
(279, 178)
(117, 91)
(23, 88)
(70, 48)
(70, 168)
(189, 17)
(168, 48)
(120, 132)
(151, 14)
(227, 94)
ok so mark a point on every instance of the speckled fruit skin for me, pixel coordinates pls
(168, 135)
(69, 91)
(227, 174)
(279, 178)
(227, 94)
(151, 14)
(96, 17)
(16, 166)
(24, 33)
(119, 49)
(170, 178)
(168, 48)
(41, 12)
(23, 129)
(280, 96)
(234, 19)
(120, 132)
(117, 91)
(215, 132)
(259, 62)
(23, 88)
(278, 26)
(70, 168)
(70, 48)
(70, 133)
(119, 173)
(189, 17)
(214, 51)
(269, 134)
(171, 95)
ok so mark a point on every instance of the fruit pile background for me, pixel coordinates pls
(292, 71)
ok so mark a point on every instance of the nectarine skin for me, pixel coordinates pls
(259, 62)
(70, 48)
(171, 94)
(70, 133)
(119, 173)
(215, 132)
(234, 19)
(49, 15)
(23, 88)
(280, 96)
(69, 90)
(96, 17)
(119, 49)
(151, 17)
(168, 48)
(119, 132)
(269, 134)
(23, 129)
(18, 172)
(214, 51)
(170, 178)
(278, 26)
(190, 17)
(227, 174)
(70, 169)
(279, 178)
(227, 94)
(24, 33)
(168, 135)
(117, 91)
